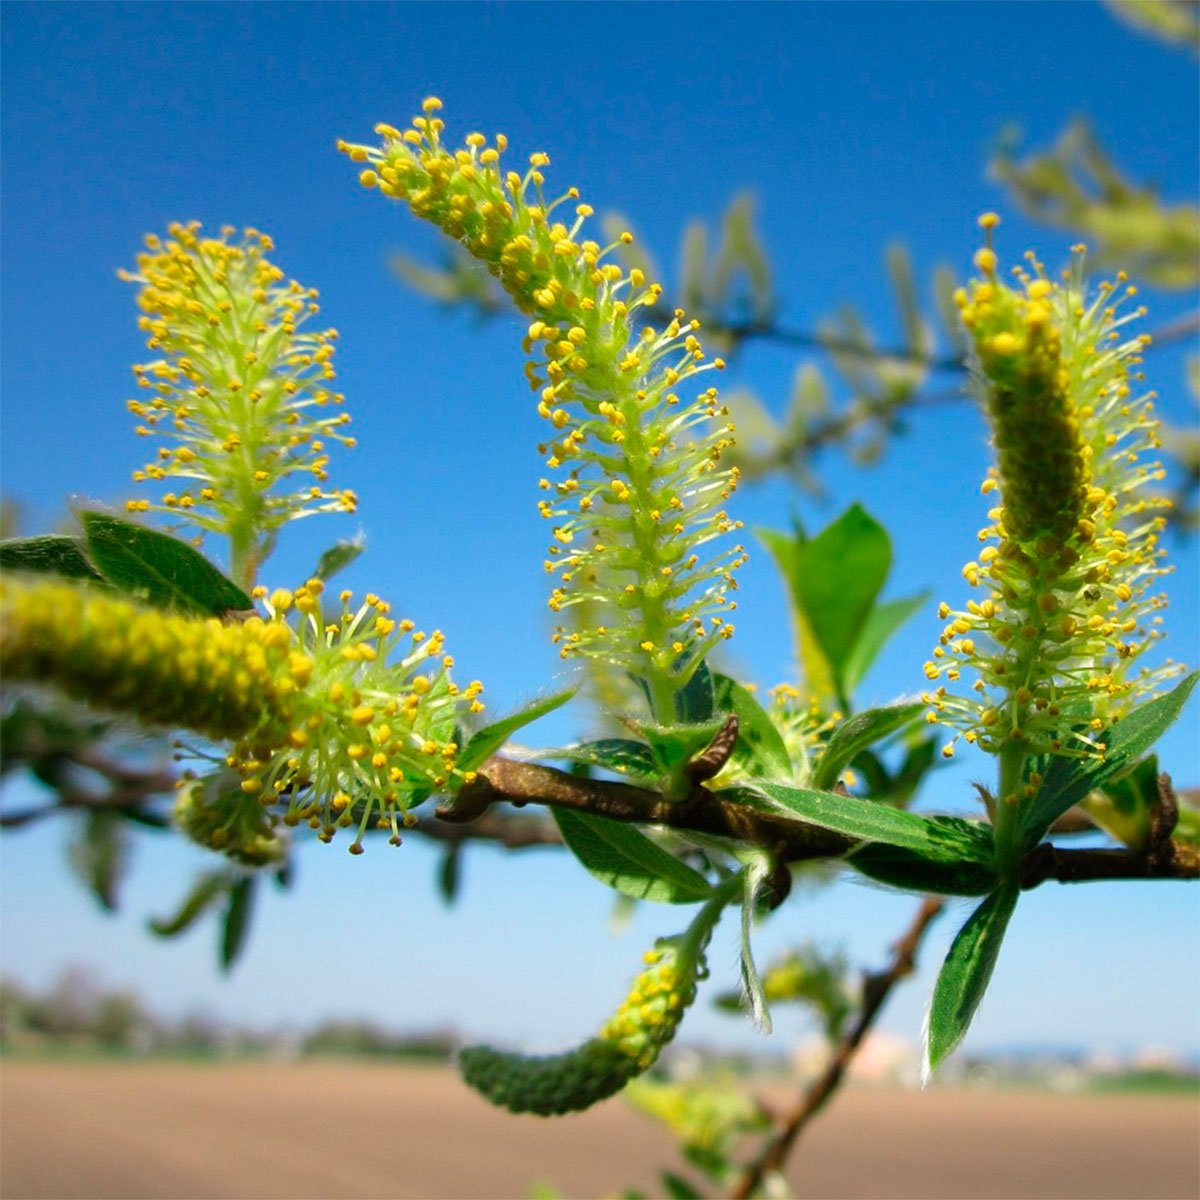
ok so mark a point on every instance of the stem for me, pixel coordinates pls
(1007, 828)
(654, 624)
(505, 780)
(876, 989)
(699, 931)
(242, 560)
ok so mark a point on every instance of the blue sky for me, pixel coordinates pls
(855, 125)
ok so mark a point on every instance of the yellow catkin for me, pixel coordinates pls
(1071, 554)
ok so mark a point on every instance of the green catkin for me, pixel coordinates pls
(1071, 554)
(223, 681)
(628, 1045)
(344, 723)
(636, 491)
(241, 391)
(215, 813)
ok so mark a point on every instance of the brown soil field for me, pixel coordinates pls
(334, 1129)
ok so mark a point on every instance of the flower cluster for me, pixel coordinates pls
(214, 812)
(705, 1118)
(638, 490)
(373, 730)
(240, 389)
(1071, 553)
(342, 721)
(629, 1043)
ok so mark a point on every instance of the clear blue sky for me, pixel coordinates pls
(854, 124)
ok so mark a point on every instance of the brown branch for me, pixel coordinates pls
(1179, 329)
(513, 831)
(521, 783)
(803, 339)
(876, 990)
(1048, 862)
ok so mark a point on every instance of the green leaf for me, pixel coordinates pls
(919, 759)
(839, 574)
(908, 870)
(757, 871)
(486, 741)
(857, 733)
(206, 892)
(814, 663)
(674, 745)
(760, 748)
(237, 921)
(99, 854)
(675, 1187)
(621, 755)
(1124, 807)
(338, 557)
(624, 858)
(694, 702)
(158, 569)
(875, 775)
(1068, 780)
(448, 874)
(51, 554)
(939, 839)
(882, 621)
(965, 974)
(834, 580)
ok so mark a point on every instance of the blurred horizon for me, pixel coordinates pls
(854, 126)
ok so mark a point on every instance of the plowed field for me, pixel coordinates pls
(331, 1129)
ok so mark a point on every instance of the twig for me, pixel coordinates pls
(521, 783)
(513, 831)
(876, 990)
(1048, 862)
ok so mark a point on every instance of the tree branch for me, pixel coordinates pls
(1047, 861)
(521, 783)
(876, 990)
(513, 831)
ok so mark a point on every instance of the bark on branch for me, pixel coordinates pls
(876, 990)
(521, 783)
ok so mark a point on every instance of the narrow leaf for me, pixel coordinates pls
(1068, 780)
(756, 873)
(675, 1187)
(965, 974)
(694, 702)
(207, 891)
(838, 576)
(448, 874)
(940, 839)
(621, 755)
(624, 858)
(857, 733)
(52, 554)
(814, 662)
(909, 870)
(339, 556)
(673, 745)
(882, 621)
(158, 569)
(99, 854)
(486, 741)
(760, 748)
(1125, 806)
(237, 921)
